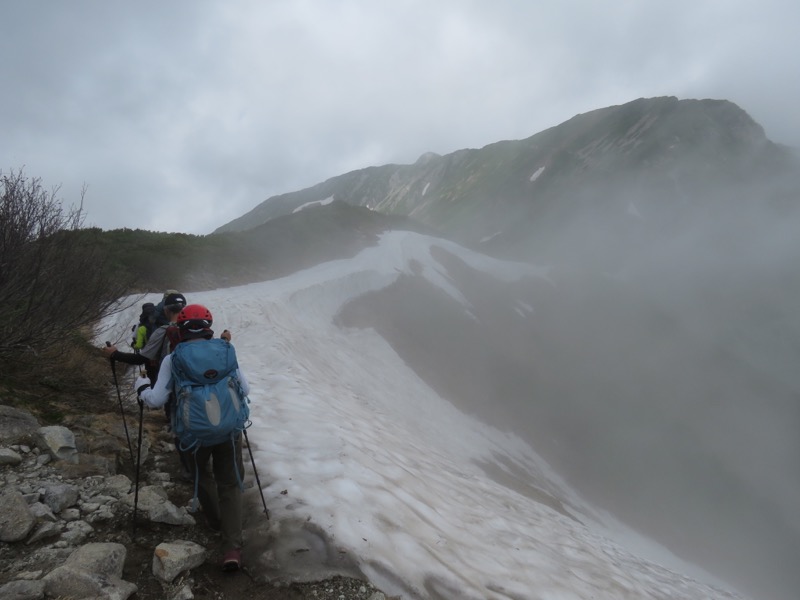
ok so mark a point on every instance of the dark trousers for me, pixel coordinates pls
(218, 488)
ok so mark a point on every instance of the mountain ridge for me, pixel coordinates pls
(655, 159)
(658, 368)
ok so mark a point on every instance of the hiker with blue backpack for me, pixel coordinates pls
(209, 418)
(160, 343)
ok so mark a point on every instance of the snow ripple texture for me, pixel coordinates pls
(395, 475)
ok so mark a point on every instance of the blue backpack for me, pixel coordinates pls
(210, 407)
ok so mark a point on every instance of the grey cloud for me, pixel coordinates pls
(216, 107)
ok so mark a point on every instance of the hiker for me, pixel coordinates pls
(147, 322)
(161, 317)
(217, 459)
(160, 343)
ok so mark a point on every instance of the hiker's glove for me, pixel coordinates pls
(225, 335)
(141, 384)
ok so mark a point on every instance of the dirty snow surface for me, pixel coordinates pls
(352, 445)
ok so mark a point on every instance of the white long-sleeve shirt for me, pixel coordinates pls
(157, 396)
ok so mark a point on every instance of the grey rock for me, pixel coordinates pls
(171, 515)
(22, 590)
(60, 442)
(117, 485)
(17, 426)
(70, 514)
(77, 532)
(46, 530)
(39, 560)
(93, 570)
(59, 496)
(153, 502)
(76, 583)
(170, 559)
(103, 513)
(102, 558)
(89, 507)
(149, 495)
(184, 593)
(42, 512)
(9, 457)
(30, 494)
(16, 519)
(102, 499)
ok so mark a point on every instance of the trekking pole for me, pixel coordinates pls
(255, 471)
(138, 464)
(121, 409)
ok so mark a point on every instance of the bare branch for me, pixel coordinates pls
(53, 278)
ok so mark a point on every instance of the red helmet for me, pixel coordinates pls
(194, 318)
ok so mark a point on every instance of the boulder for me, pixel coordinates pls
(170, 559)
(98, 557)
(17, 426)
(9, 457)
(93, 570)
(44, 531)
(59, 441)
(22, 590)
(59, 496)
(16, 518)
(118, 485)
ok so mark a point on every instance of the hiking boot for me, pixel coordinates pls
(232, 560)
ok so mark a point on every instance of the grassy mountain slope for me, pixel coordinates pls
(157, 261)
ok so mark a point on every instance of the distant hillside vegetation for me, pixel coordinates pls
(157, 261)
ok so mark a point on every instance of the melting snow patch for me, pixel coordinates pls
(327, 200)
(538, 172)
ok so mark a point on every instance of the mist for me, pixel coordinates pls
(655, 370)
(682, 378)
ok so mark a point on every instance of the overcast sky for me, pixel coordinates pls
(182, 115)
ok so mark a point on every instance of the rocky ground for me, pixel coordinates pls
(67, 528)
